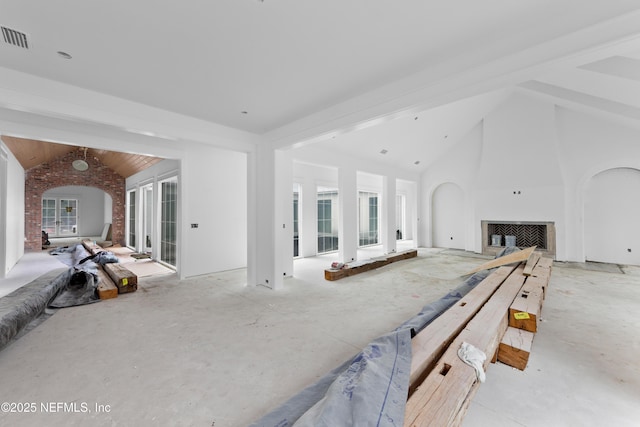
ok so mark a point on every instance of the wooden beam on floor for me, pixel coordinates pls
(92, 247)
(531, 263)
(543, 269)
(514, 257)
(339, 273)
(524, 313)
(515, 348)
(444, 395)
(123, 278)
(431, 343)
(106, 288)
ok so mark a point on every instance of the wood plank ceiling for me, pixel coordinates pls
(30, 153)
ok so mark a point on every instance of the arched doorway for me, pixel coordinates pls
(447, 207)
(59, 172)
(611, 217)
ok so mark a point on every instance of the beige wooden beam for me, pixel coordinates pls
(519, 256)
(442, 397)
(430, 343)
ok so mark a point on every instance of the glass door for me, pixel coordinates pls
(131, 214)
(169, 221)
(60, 217)
(49, 217)
(68, 221)
(327, 201)
(147, 217)
(296, 220)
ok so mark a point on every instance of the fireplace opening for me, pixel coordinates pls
(498, 234)
(526, 235)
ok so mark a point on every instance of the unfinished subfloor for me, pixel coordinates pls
(210, 351)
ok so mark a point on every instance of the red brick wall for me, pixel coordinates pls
(58, 173)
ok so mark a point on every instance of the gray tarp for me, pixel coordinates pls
(60, 288)
(24, 304)
(83, 280)
(371, 388)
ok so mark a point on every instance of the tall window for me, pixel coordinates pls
(327, 221)
(368, 214)
(296, 205)
(168, 221)
(132, 219)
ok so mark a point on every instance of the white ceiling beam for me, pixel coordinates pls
(459, 78)
(598, 85)
(577, 101)
(46, 98)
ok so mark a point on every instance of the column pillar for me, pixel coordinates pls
(283, 199)
(348, 208)
(309, 226)
(388, 214)
(267, 171)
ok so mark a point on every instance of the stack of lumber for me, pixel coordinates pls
(123, 278)
(524, 315)
(113, 278)
(362, 266)
(441, 384)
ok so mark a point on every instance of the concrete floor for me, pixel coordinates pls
(210, 351)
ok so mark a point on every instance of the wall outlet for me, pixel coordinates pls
(194, 225)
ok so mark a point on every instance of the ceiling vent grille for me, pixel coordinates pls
(15, 38)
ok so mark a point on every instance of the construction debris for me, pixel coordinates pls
(117, 276)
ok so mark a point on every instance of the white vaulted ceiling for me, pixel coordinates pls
(317, 71)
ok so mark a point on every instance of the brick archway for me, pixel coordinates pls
(58, 173)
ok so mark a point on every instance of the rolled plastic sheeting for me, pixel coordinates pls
(21, 306)
(83, 280)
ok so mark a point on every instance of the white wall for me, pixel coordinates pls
(91, 207)
(448, 216)
(611, 213)
(549, 155)
(409, 190)
(520, 154)
(459, 166)
(108, 208)
(212, 191)
(514, 149)
(11, 210)
(589, 145)
(214, 197)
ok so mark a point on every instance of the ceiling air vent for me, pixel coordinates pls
(14, 37)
